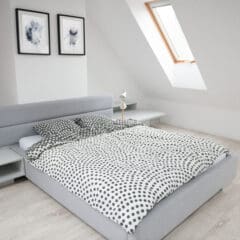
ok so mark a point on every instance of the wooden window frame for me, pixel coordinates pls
(171, 51)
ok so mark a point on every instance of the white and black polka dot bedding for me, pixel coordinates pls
(56, 127)
(61, 131)
(124, 174)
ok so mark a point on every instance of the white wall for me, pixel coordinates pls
(41, 78)
(208, 119)
(106, 73)
(51, 77)
(8, 91)
(121, 33)
(120, 57)
(212, 29)
(214, 40)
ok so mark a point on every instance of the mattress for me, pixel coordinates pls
(22, 152)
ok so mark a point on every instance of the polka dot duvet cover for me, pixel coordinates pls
(125, 173)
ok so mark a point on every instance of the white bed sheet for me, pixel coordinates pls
(220, 158)
(26, 142)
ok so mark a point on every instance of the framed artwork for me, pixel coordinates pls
(33, 32)
(71, 35)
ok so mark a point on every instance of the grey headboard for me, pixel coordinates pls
(17, 121)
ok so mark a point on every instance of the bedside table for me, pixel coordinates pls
(11, 165)
(145, 116)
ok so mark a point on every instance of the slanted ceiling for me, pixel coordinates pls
(212, 29)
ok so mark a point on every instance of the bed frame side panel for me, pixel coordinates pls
(161, 220)
(173, 210)
(78, 207)
(17, 121)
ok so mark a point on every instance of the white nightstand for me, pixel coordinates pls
(11, 165)
(145, 116)
(132, 112)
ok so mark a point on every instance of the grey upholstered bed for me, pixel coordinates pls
(17, 122)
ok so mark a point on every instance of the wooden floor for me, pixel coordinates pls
(27, 213)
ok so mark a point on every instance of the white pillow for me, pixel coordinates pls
(26, 142)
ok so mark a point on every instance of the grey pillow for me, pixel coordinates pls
(58, 127)
(97, 123)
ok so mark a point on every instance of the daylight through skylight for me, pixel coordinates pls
(167, 23)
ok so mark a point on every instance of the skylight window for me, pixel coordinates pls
(168, 25)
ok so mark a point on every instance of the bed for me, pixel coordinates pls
(17, 122)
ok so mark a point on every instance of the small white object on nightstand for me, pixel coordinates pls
(145, 116)
(11, 165)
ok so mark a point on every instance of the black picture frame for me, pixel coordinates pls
(19, 45)
(60, 42)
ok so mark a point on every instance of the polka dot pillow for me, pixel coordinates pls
(58, 127)
(97, 123)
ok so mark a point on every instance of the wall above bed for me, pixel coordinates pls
(41, 78)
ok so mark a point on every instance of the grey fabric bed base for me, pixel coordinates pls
(162, 219)
(11, 133)
(17, 121)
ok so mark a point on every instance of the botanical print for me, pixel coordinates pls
(33, 30)
(71, 35)
(34, 33)
(72, 31)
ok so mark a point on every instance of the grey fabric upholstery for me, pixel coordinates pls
(17, 121)
(25, 113)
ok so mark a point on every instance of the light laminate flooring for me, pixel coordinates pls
(27, 213)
